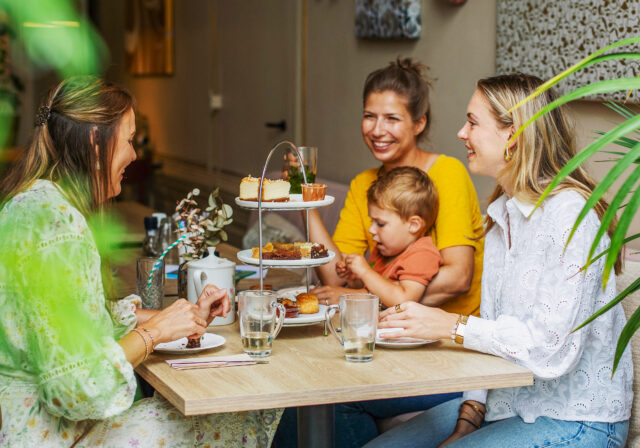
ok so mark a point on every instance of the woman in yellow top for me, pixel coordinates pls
(395, 119)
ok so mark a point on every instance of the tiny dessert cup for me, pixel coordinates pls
(313, 192)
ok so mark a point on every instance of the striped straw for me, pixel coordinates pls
(158, 263)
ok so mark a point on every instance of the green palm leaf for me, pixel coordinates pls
(622, 129)
(610, 85)
(620, 232)
(605, 252)
(629, 329)
(602, 187)
(589, 60)
(610, 214)
(633, 287)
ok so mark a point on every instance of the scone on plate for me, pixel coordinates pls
(308, 303)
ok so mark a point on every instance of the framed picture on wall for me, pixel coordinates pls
(387, 19)
(149, 37)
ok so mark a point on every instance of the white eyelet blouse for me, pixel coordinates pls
(532, 297)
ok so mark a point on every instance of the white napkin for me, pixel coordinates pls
(214, 361)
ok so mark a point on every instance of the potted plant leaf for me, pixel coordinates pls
(626, 196)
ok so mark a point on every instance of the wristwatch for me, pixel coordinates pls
(460, 327)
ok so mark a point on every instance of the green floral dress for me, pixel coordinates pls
(63, 376)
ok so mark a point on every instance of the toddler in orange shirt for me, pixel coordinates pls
(403, 204)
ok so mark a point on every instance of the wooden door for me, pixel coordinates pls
(256, 70)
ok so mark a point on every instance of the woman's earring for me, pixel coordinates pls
(507, 154)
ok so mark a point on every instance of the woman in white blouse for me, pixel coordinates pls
(533, 294)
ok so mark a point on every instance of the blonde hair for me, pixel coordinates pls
(407, 191)
(542, 149)
(73, 142)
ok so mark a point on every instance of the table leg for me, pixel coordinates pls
(315, 426)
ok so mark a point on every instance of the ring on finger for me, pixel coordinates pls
(398, 308)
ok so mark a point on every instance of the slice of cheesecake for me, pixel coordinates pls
(272, 190)
(249, 188)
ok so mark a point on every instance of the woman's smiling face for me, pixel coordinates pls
(484, 138)
(124, 153)
(388, 129)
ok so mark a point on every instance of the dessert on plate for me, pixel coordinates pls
(290, 251)
(272, 190)
(308, 303)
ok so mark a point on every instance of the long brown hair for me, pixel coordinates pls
(407, 79)
(73, 142)
(542, 149)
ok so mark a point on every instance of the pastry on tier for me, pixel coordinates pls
(272, 190)
(290, 251)
(308, 303)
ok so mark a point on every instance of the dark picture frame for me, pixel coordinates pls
(149, 46)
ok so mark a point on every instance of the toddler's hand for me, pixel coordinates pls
(357, 264)
(342, 270)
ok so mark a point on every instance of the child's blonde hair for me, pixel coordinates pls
(407, 191)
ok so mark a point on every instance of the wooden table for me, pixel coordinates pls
(309, 370)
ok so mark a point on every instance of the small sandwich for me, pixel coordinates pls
(308, 303)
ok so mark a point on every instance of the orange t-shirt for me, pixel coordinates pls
(419, 262)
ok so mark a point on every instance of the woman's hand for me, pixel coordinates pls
(329, 295)
(181, 319)
(417, 321)
(213, 302)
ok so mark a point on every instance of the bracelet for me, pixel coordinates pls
(475, 407)
(459, 329)
(469, 421)
(153, 341)
(147, 352)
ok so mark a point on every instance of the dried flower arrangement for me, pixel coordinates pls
(202, 229)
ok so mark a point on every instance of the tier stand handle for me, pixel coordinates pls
(304, 177)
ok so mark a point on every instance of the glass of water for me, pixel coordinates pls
(150, 293)
(260, 321)
(359, 322)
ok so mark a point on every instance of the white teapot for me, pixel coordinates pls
(212, 271)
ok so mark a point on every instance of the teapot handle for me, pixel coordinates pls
(198, 282)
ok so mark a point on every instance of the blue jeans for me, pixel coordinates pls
(355, 423)
(435, 425)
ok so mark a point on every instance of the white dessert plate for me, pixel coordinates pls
(306, 319)
(295, 203)
(179, 346)
(399, 342)
(245, 257)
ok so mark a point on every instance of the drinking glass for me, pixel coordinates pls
(359, 322)
(292, 171)
(151, 294)
(259, 321)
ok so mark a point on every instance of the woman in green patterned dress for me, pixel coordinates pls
(66, 354)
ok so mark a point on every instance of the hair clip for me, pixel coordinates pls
(43, 115)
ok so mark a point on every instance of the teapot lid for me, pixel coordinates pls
(212, 262)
